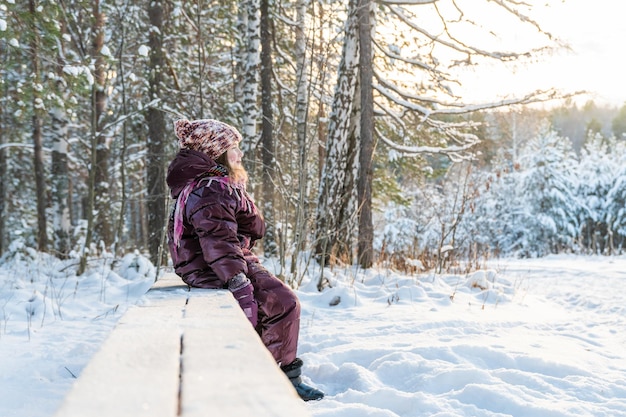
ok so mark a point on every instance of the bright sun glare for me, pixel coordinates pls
(595, 32)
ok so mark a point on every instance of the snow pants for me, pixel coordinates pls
(279, 314)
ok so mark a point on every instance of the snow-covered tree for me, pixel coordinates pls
(615, 200)
(302, 135)
(596, 176)
(413, 95)
(338, 174)
(548, 203)
(112, 77)
(249, 51)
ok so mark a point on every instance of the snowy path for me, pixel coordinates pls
(549, 342)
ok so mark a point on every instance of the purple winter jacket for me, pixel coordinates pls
(219, 226)
(220, 223)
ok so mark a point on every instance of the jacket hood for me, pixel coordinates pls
(186, 166)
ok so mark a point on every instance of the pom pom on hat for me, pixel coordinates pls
(206, 135)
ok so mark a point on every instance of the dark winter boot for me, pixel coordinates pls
(293, 372)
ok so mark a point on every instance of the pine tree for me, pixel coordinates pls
(550, 204)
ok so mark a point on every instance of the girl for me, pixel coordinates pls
(211, 232)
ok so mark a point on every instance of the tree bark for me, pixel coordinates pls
(250, 75)
(3, 174)
(366, 228)
(98, 167)
(302, 108)
(60, 171)
(331, 196)
(156, 158)
(60, 180)
(102, 190)
(102, 180)
(267, 131)
(40, 181)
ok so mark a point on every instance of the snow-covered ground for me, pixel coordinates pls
(542, 337)
(545, 338)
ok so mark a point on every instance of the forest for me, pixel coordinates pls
(358, 149)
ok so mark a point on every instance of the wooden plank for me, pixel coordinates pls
(136, 373)
(226, 368)
(166, 284)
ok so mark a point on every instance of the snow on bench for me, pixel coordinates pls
(183, 353)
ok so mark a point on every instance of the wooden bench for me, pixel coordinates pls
(183, 353)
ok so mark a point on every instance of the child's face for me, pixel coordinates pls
(234, 156)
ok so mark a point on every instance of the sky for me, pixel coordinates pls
(534, 337)
(595, 30)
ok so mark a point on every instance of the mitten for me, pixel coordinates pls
(242, 290)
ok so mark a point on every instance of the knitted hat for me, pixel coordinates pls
(206, 135)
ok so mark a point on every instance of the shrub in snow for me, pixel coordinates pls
(135, 266)
(37, 289)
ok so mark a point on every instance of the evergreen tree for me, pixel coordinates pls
(548, 196)
(619, 123)
(596, 173)
(613, 182)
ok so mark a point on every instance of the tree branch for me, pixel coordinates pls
(414, 151)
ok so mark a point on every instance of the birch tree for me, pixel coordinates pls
(59, 121)
(337, 169)
(60, 175)
(413, 95)
(250, 51)
(302, 106)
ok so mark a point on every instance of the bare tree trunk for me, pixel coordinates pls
(250, 75)
(137, 215)
(143, 226)
(119, 229)
(347, 222)
(40, 181)
(98, 166)
(240, 52)
(89, 201)
(269, 242)
(62, 224)
(60, 180)
(42, 234)
(200, 50)
(302, 108)
(366, 227)
(331, 197)
(156, 138)
(102, 190)
(3, 174)
(321, 117)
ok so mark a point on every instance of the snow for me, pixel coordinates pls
(106, 51)
(143, 50)
(534, 337)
